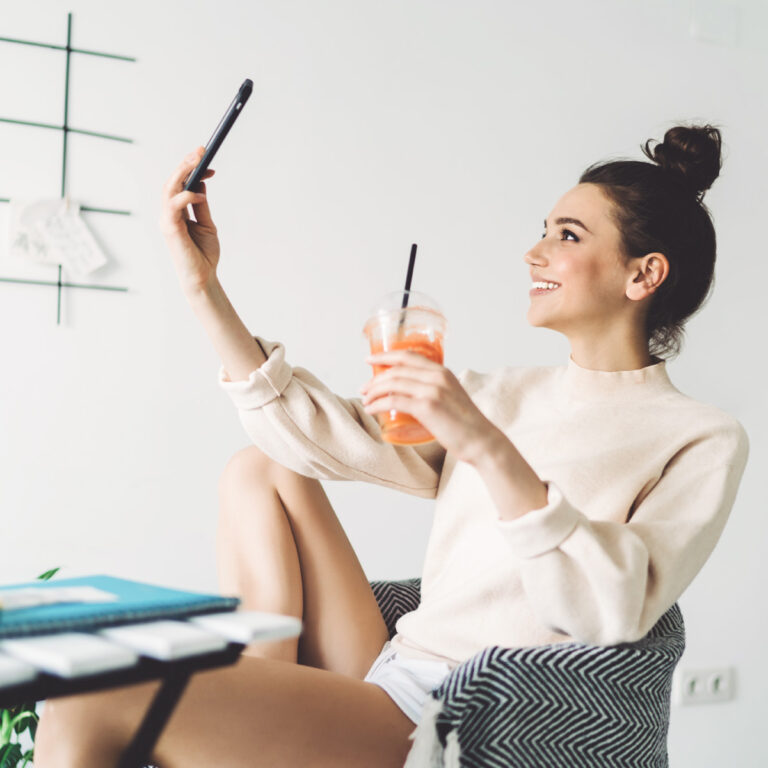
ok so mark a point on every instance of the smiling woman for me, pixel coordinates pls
(591, 290)
(573, 502)
(631, 251)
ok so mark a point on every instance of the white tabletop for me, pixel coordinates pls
(76, 654)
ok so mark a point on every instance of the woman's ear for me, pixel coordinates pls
(649, 273)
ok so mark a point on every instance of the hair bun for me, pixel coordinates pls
(691, 153)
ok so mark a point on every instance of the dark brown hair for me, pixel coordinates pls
(658, 208)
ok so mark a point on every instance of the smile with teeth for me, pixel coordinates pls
(542, 285)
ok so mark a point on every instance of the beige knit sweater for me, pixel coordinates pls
(641, 480)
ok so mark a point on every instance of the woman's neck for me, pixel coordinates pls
(607, 355)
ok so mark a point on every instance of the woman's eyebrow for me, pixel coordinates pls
(568, 220)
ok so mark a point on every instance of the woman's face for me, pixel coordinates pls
(580, 250)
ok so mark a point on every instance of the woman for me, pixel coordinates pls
(573, 502)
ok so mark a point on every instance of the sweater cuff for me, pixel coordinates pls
(542, 529)
(263, 385)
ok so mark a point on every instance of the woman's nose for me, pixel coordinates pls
(535, 255)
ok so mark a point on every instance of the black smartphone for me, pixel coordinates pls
(222, 129)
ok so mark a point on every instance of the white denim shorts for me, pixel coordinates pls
(407, 681)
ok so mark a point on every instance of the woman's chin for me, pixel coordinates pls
(536, 320)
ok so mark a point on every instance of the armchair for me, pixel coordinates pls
(566, 704)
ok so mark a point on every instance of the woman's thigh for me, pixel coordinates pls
(343, 629)
(258, 712)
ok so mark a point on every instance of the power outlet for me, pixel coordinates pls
(703, 686)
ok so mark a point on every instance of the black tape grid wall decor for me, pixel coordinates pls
(60, 284)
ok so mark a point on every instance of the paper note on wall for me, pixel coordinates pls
(53, 232)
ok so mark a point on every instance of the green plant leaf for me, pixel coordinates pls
(10, 755)
(5, 727)
(16, 719)
(21, 724)
(47, 575)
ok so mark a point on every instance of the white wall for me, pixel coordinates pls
(372, 125)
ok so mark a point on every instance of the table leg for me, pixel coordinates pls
(137, 753)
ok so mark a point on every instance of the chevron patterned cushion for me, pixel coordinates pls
(396, 598)
(567, 704)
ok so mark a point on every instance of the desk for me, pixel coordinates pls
(134, 654)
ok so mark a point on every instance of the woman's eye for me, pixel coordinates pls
(564, 235)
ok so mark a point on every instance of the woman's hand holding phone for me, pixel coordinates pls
(194, 247)
(193, 243)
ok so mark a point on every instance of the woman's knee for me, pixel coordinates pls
(91, 728)
(246, 466)
(67, 736)
(52, 731)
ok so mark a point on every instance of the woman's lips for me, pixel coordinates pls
(541, 291)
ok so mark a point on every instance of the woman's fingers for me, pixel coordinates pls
(176, 180)
(404, 385)
(400, 403)
(178, 203)
(431, 374)
(402, 357)
(175, 208)
(202, 211)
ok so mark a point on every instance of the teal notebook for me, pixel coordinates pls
(127, 602)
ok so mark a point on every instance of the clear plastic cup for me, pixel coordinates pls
(420, 327)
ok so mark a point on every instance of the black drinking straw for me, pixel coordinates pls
(408, 278)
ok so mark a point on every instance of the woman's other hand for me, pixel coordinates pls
(433, 395)
(194, 244)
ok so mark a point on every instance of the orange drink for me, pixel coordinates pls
(420, 327)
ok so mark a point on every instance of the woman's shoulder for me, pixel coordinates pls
(507, 377)
(507, 391)
(670, 410)
(703, 420)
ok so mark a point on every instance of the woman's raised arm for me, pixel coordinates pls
(287, 412)
(194, 247)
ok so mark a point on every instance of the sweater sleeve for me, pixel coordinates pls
(297, 421)
(605, 582)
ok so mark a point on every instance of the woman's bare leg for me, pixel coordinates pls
(282, 549)
(259, 712)
(256, 553)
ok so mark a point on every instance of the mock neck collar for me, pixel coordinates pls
(585, 384)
